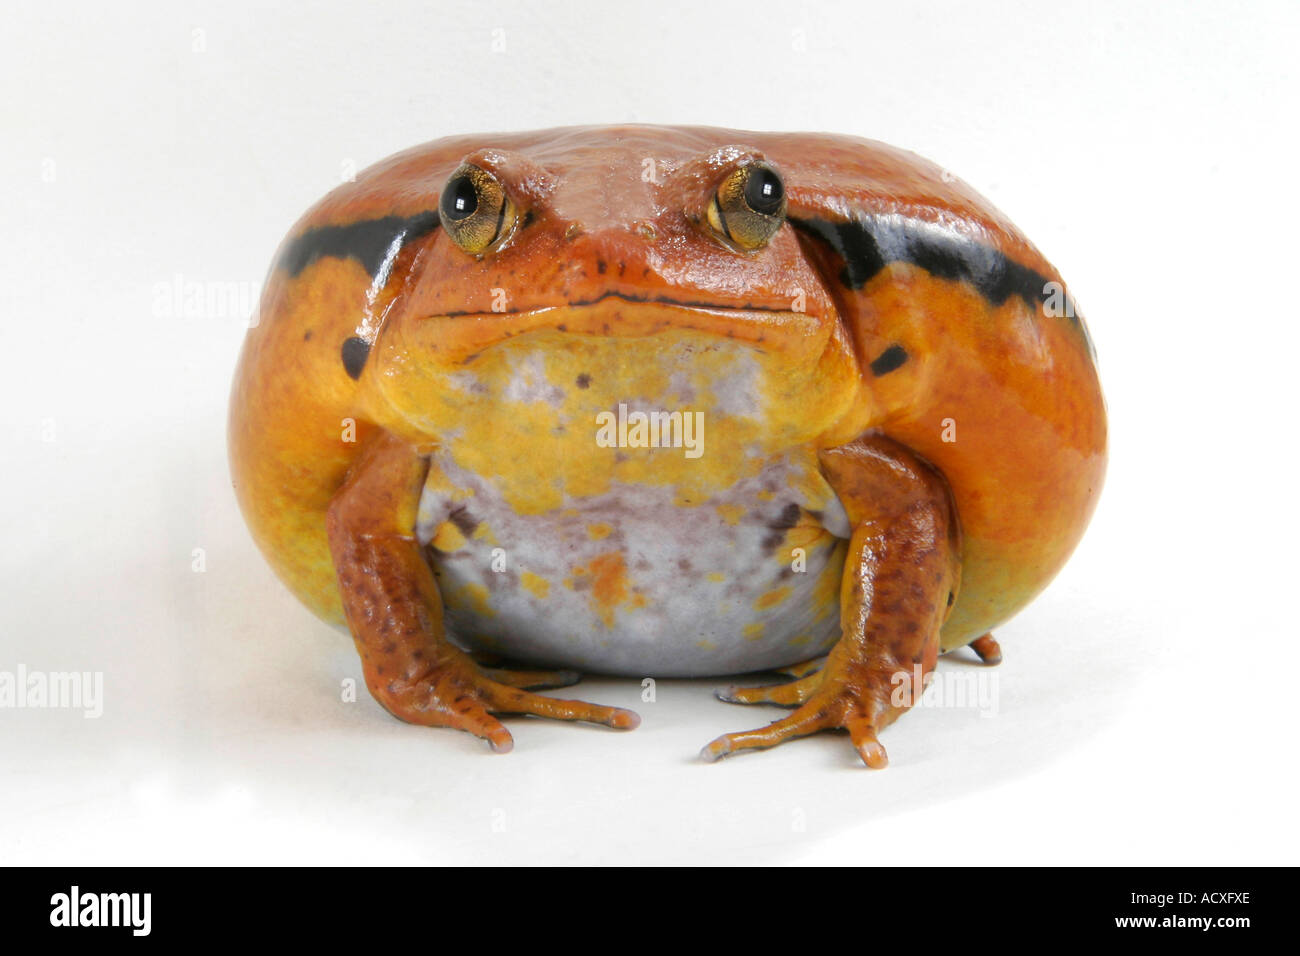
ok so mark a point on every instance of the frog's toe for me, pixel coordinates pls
(461, 712)
(791, 694)
(532, 680)
(801, 723)
(987, 649)
(494, 732)
(863, 734)
(808, 719)
(503, 699)
(822, 705)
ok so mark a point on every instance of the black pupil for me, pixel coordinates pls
(459, 200)
(763, 191)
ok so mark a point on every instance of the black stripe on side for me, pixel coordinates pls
(866, 245)
(370, 241)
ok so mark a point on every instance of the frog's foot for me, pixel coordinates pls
(987, 649)
(458, 693)
(824, 704)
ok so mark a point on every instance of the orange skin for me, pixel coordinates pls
(936, 382)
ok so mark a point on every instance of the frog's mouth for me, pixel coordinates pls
(798, 337)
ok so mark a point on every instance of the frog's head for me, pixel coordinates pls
(654, 272)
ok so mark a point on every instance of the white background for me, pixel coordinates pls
(1147, 701)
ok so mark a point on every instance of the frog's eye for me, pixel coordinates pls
(475, 210)
(749, 206)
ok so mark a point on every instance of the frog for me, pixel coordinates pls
(664, 402)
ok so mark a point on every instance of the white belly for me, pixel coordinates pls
(631, 582)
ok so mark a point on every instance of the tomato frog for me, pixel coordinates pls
(663, 402)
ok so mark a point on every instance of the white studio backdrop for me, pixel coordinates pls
(1144, 711)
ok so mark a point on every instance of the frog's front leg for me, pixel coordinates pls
(900, 577)
(394, 609)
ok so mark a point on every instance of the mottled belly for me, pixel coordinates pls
(634, 581)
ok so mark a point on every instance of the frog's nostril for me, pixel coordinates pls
(646, 230)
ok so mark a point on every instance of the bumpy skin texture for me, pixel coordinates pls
(895, 386)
